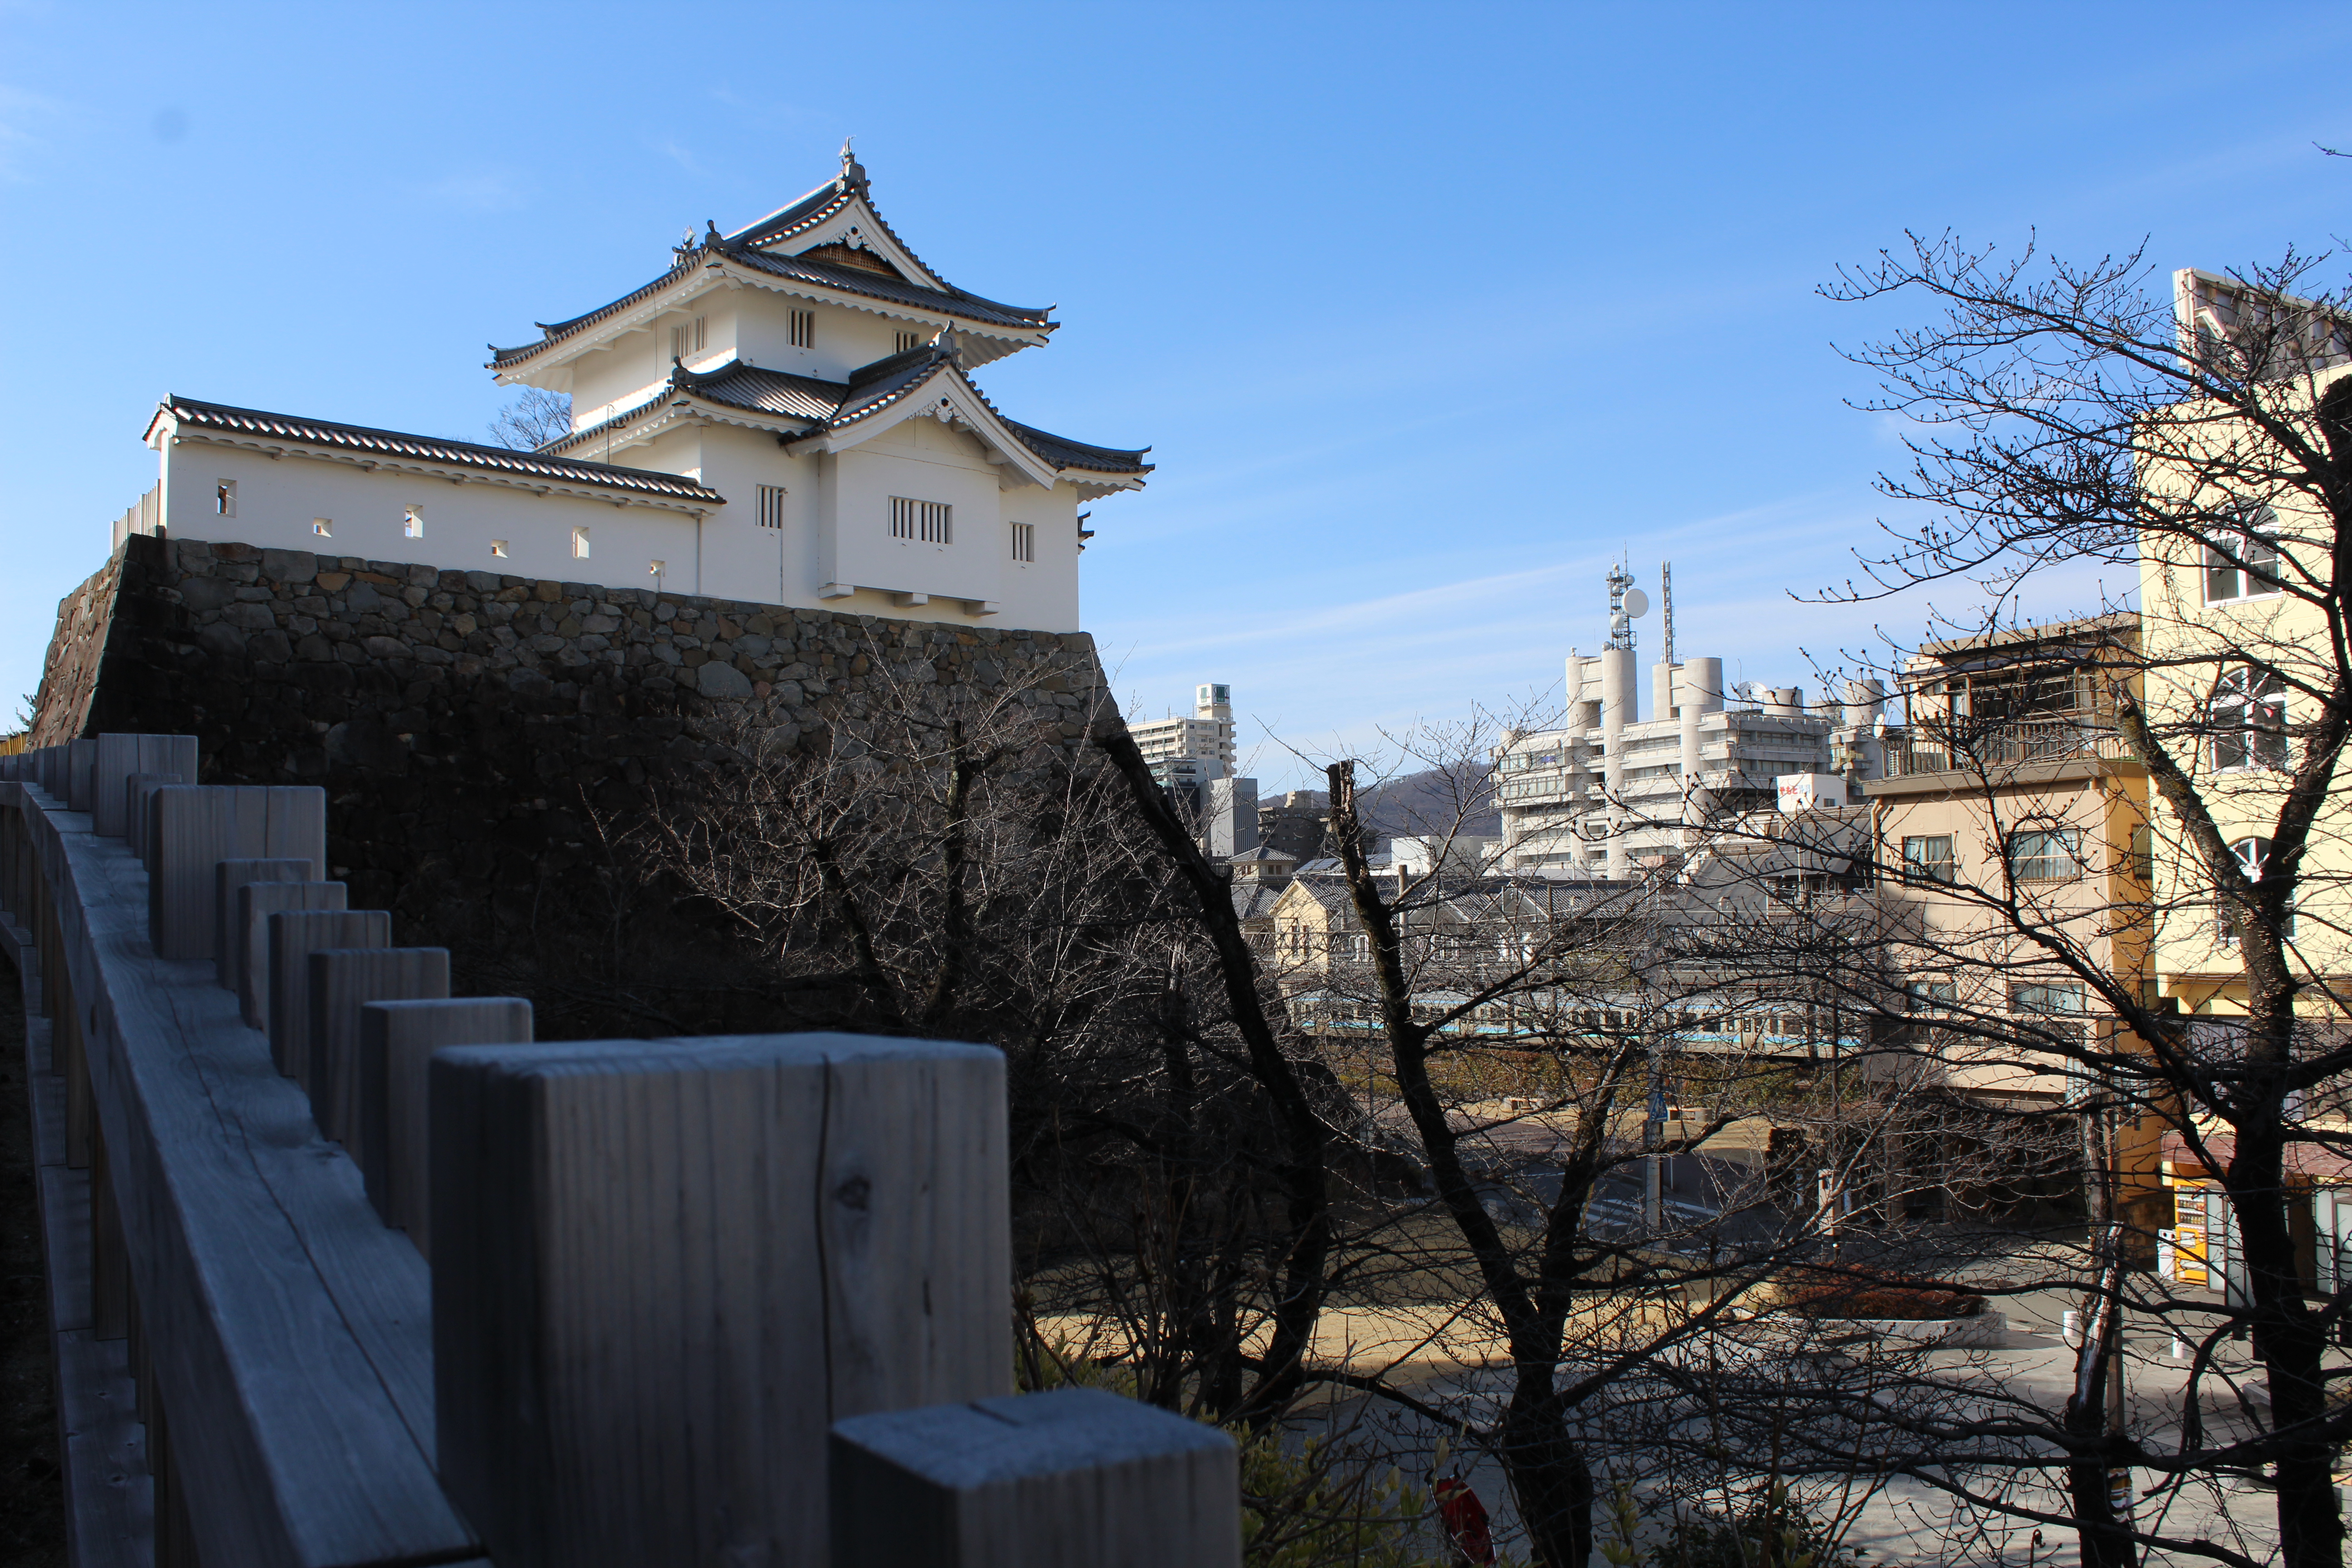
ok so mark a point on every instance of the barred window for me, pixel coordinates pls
(907, 340)
(2045, 854)
(685, 338)
(772, 506)
(1024, 541)
(803, 329)
(1928, 857)
(927, 520)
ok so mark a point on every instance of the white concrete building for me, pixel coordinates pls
(1610, 792)
(786, 416)
(1186, 753)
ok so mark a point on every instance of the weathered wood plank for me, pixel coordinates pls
(294, 935)
(1072, 1479)
(227, 877)
(121, 755)
(250, 933)
(198, 826)
(340, 981)
(397, 1040)
(288, 1327)
(138, 794)
(109, 1496)
(639, 1252)
(81, 768)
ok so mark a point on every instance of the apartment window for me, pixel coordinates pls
(927, 520)
(2143, 853)
(324, 527)
(499, 548)
(225, 498)
(2252, 856)
(2046, 1001)
(1024, 541)
(412, 523)
(685, 338)
(1928, 857)
(580, 544)
(2045, 853)
(1931, 995)
(803, 329)
(2244, 565)
(772, 506)
(908, 340)
(2249, 720)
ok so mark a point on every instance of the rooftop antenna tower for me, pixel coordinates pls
(1666, 610)
(1627, 604)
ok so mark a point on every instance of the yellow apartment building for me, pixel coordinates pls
(2010, 813)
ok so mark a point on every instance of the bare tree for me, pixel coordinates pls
(535, 418)
(2196, 438)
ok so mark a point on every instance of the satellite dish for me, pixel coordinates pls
(1637, 602)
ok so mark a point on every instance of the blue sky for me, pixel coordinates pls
(1427, 312)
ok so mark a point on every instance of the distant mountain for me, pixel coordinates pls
(1456, 799)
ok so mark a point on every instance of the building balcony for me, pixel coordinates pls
(2015, 750)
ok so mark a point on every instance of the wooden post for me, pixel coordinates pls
(119, 757)
(228, 877)
(1073, 1479)
(81, 761)
(662, 1272)
(136, 789)
(294, 935)
(340, 980)
(397, 1040)
(250, 959)
(193, 828)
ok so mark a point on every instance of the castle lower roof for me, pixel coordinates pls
(254, 424)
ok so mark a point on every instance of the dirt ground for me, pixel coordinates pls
(32, 1506)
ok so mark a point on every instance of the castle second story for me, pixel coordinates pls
(785, 414)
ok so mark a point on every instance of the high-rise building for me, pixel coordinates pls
(1607, 791)
(1186, 753)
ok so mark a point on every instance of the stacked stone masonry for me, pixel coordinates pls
(470, 727)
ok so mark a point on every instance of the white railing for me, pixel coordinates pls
(346, 1271)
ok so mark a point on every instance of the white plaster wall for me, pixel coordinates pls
(279, 499)
(923, 459)
(845, 339)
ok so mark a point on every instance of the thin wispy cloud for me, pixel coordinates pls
(477, 190)
(25, 117)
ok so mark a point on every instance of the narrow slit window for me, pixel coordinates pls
(1024, 541)
(908, 340)
(324, 527)
(412, 523)
(772, 506)
(803, 329)
(580, 544)
(225, 498)
(927, 521)
(685, 338)
(499, 548)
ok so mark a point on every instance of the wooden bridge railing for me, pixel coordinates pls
(346, 1271)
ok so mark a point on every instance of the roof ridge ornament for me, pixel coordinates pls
(949, 347)
(853, 173)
